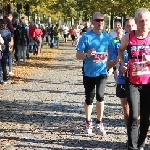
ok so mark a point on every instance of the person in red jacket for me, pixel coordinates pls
(38, 36)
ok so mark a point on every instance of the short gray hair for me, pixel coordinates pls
(141, 11)
(97, 13)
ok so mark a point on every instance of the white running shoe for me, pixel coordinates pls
(88, 129)
(100, 128)
(6, 82)
(11, 73)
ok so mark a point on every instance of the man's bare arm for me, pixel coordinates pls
(81, 55)
(123, 47)
(112, 63)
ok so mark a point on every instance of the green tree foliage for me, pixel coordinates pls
(76, 8)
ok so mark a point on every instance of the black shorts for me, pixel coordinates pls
(65, 35)
(73, 37)
(120, 91)
(94, 85)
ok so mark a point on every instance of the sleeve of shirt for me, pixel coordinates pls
(113, 53)
(82, 44)
(110, 43)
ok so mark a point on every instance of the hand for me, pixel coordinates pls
(91, 52)
(10, 46)
(124, 68)
(147, 58)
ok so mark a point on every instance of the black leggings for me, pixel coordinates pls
(89, 85)
(136, 93)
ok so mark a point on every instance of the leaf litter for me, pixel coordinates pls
(23, 70)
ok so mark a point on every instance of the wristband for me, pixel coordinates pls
(86, 55)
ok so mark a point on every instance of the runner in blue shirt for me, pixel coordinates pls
(93, 48)
(113, 60)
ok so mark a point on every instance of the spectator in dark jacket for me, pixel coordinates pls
(22, 40)
(6, 35)
(15, 48)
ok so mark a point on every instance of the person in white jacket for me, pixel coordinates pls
(65, 32)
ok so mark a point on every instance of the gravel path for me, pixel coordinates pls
(48, 114)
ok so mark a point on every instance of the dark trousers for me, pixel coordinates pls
(3, 65)
(10, 60)
(16, 52)
(52, 37)
(27, 52)
(136, 93)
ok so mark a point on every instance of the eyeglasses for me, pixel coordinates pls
(99, 20)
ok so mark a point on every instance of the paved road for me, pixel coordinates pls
(48, 114)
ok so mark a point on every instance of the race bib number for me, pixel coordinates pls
(140, 68)
(100, 57)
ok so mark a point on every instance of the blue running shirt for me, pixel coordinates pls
(95, 65)
(113, 55)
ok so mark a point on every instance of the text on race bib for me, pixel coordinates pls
(100, 57)
(140, 68)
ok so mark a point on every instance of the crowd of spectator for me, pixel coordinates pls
(19, 40)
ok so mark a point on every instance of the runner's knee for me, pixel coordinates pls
(100, 98)
(89, 99)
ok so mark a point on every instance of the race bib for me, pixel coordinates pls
(100, 57)
(140, 68)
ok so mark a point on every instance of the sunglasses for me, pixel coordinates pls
(99, 20)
